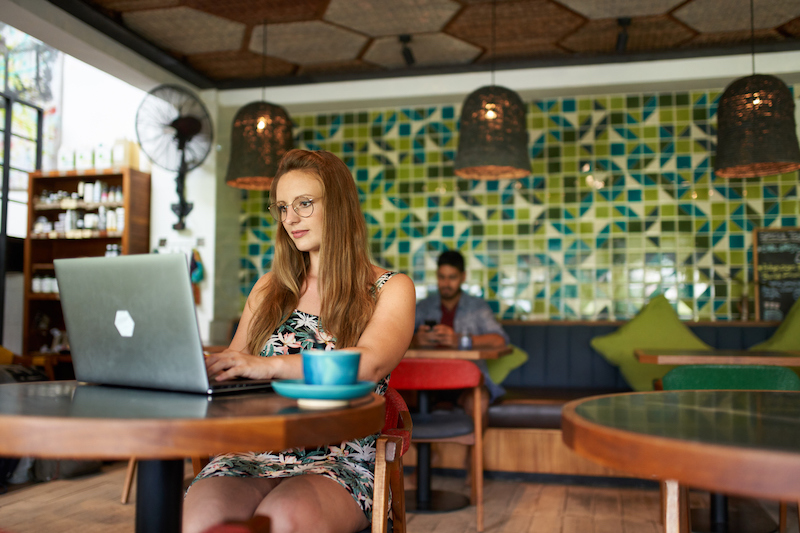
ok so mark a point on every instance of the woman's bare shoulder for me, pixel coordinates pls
(396, 279)
(257, 292)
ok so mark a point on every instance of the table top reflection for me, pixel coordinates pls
(737, 442)
(64, 418)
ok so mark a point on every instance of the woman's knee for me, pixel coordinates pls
(312, 503)
(215, 500)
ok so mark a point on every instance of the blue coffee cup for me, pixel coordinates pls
(330, 367)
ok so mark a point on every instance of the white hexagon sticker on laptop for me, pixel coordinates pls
(124, 323)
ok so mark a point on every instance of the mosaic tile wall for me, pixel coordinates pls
(622, 204)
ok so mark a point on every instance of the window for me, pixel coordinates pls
(27, 69)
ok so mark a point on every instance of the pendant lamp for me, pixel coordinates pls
(493, 139)
(261, 134)
(756, 130)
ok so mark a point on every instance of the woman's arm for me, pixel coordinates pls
(237, 360)
(389, 331)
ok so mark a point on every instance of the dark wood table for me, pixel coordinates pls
(717, 357)
(424, 499)
(738, 442)
(63, 419)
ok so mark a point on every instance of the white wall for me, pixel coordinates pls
(99, 108)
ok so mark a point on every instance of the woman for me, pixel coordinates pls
(323, 291)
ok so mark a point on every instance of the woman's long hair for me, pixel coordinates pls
(345, 273)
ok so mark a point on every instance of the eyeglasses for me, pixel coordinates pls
(302, 205)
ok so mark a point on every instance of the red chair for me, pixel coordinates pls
(257, 524)
(423, 375)
(393, 443)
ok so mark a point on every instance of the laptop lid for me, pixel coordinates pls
(131, 321)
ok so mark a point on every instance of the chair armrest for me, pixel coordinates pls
(198, 463)
(403, 432)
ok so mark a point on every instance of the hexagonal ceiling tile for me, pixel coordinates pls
(306, 43)
(198, 31)
(703, 15)
(601, 9)
(428, 49)
(391, 17)
(515, 22)
(646, 33)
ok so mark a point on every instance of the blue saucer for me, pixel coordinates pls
(298, 389)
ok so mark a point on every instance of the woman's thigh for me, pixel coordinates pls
(312, 503)
(215, 500)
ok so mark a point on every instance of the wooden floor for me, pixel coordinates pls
(92, 505)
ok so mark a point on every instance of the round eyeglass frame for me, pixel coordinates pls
(279, 216)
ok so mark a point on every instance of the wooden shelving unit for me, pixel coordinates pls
(42, 310)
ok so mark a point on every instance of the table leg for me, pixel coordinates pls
(159, 496)
(424, 499)
(719, 513)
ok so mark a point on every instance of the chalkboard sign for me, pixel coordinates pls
(776, 262)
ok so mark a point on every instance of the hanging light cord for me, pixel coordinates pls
(264, 63)
(494, 25)
(752, 37)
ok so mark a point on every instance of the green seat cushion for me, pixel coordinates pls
(731, 377)
(500, 367)
(787, 337)
(656, 327)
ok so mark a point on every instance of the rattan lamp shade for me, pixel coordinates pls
(493, 141)
(262, 133)
(756, 130)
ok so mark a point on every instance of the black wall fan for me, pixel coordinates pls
(174, 129)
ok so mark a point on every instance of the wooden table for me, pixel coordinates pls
(734, 441)
(451, 353)
(717, 357)
(424, 499)
(64, 419)
(719, 502)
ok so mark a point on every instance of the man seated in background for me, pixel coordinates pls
(442, 318)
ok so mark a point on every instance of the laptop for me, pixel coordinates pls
(131, 322)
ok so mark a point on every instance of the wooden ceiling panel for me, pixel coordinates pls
(134, 5)
(218, 42)
(240, 65)
(257, 12)
(792, 28)
(338, 68)
(601, 9)
(645, 34)
(734, 38)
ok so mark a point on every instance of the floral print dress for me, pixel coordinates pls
(351, 463)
